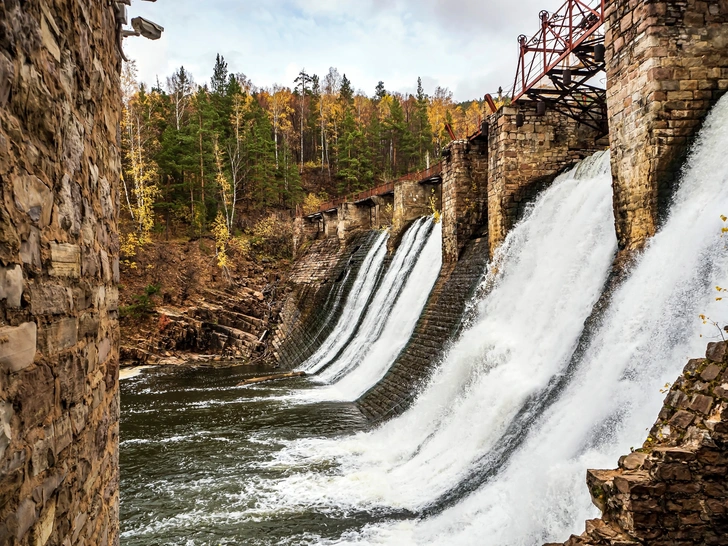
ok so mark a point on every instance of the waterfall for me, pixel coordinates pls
(354, 306)
(650, 330)
(543, 284)
(382, 302)
(391, 317)
(519, 345)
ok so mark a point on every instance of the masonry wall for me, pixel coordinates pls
(353, 218)
(522, 161)
(59, 170)
(317, 290)
(464, 195)
(671, 491)
(411, 201)
(667, 64)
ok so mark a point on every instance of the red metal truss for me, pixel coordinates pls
(560, 35)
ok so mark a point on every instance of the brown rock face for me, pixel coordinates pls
(59, 166)
(673, 491)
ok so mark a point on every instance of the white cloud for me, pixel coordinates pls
(466, 45)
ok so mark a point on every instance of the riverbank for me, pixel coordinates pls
(177, 306)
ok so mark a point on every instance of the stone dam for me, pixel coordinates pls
(60, 105)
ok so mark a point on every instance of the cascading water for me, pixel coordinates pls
(383, 301)
(552, 267)
(550, 273)
(495, 448)
(388, 325)
(356, 303)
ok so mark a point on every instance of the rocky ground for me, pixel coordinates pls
(177, 306)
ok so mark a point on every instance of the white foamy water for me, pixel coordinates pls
(550, 273)
(609, 401)
(390, 318)
(354, 307)
(379, 307)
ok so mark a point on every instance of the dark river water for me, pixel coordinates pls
(193, 447)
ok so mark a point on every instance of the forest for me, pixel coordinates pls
(216, 158)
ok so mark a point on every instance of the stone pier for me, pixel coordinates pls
(464, 195)
(60, 105)
(667, 65)
(413, 199)
(522, 161)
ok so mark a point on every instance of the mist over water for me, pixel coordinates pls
(495, 449)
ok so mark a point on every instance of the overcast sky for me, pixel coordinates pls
(468, 46)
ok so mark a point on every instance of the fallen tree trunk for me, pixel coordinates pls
(274, 377)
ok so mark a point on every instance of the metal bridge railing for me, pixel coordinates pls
(382, 189)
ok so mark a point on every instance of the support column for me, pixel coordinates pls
(305, 229)
(352, 218)
(411, 201)
(464, 195)
(60, 107)
(524, 160)
(667, 65)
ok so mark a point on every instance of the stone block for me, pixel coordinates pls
(701, 404)
(26, 516)
(716, 351)
(69, 205)
(17, 346)
(44, 529)
(6, 432)
(682, 419)
(49, 299)
(66, 260)
(30, 248)
(711, 372)
(104, 350)
(11, 285)
(58, 336)
(34, 198)
(63, 434)
(79, 412)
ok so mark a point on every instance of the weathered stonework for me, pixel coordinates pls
(317, 288)
(352, 218)
(524, 160)
(412, 201)
(464, 195)
(305, 230)
(60, 104)
(667, 65)
(330, 221)
(673, 490)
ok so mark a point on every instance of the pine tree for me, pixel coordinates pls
(380, 92)
(346, 93)
(219, 80)
(422, 133)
